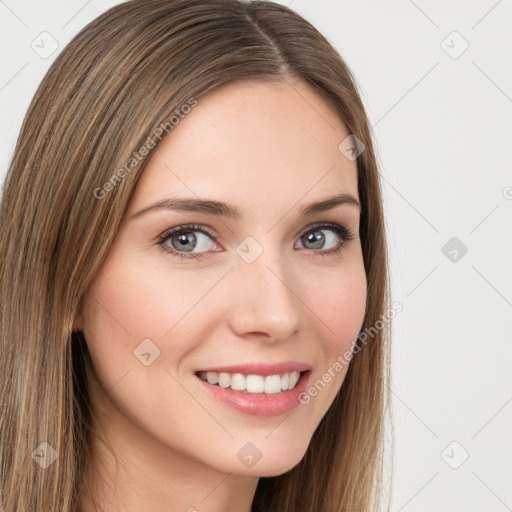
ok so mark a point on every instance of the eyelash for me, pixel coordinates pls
(343, 233)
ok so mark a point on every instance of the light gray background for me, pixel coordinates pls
(442, 124)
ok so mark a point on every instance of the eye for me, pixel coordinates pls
(182, 240)
(315, 238)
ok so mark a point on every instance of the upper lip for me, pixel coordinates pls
(263, 369)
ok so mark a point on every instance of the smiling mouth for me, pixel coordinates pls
(253, 384)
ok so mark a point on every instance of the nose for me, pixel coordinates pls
(266, 301)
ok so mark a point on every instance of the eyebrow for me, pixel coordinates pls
(221, 209)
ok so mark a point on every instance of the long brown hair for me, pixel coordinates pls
(103, 98)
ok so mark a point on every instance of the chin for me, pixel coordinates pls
(274, 463)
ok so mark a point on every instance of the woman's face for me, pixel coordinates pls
(263, 288)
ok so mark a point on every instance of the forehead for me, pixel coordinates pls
(252, 144)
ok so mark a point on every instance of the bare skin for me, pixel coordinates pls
(268, 149)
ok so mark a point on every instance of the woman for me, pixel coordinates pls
(194, 272)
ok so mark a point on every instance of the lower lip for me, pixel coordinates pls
(259, 404)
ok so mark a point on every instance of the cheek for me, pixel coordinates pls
(341, 305)
(128, 304)
(136, 300)
(131, 301)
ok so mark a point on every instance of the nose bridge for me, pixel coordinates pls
(266, 300)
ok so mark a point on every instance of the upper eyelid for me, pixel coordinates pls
(213, 232)
(189, 227)
(204, 228)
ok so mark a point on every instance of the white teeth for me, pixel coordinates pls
(237, 382)
(224, 380)
(285, 379)
(294, 377)
(255, 384)
(213, 377)
(270, 384)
